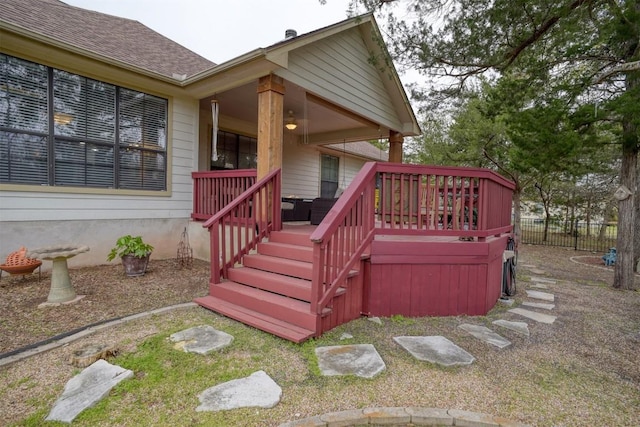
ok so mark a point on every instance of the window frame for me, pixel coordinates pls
(234, 139)
(331, 192)
(97, 175)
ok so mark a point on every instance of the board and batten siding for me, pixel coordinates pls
(96, 219)
(339, 68)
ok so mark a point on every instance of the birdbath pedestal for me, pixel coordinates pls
(61, 289)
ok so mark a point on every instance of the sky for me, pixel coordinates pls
(220, 30)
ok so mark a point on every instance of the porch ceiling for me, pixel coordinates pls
(319, 121)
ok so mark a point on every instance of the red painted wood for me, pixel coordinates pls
(278, 283)
(429, 284)
(213, 190)
(292, 237)
(417, 265)
(286, 250)
(258, 320)
(277, 306)
(345, 307)
(279, 265)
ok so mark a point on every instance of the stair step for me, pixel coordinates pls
(292, 238)
(294, 268)
(288, 267)
(286, 250)
(278, 306)
(273, 282)
(258, 320)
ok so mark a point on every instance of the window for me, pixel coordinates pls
(63, 129)
(235, 152)
(329, 176)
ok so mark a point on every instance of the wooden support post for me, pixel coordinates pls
(270, 124)
(395, 147)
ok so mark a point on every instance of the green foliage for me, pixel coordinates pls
(564, 80)
(129, 245)
(401, 320)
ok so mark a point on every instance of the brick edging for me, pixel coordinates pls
(413, 416)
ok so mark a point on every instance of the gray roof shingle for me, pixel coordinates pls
(120, 39)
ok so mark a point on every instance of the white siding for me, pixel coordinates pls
(301, 170)
(339, 68)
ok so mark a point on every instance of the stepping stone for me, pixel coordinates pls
(537, 271)
(86, 389)
(485, 334)
(533, 315)
(528, 265)
(201, 339)
(538, 305)
(543, 280)
(258, 389)
(435, 349)
(539, 285)
(506, 301)
(519, 327)
(361, 360)
(545, 296)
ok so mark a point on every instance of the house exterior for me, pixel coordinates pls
(108, 128)
(103, 122)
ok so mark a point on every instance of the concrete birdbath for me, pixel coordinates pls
(62, 290)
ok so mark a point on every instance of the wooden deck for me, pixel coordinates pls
(428, 241)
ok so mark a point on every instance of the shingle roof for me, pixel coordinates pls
(109, 36)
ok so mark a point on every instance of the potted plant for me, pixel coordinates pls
(133, 252)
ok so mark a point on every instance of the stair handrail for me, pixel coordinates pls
(250, 217)
(342, 237)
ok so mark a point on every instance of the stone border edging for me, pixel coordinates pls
(88, 330)
(414, 416)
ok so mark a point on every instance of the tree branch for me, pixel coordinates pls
(546, 26)
(622, 68)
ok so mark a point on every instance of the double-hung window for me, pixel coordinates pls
(62, 129)
(329, 175)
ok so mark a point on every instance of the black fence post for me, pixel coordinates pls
(575, 233)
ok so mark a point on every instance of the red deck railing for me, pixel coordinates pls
(408, 200)
(442, 201)
(342, 237)
(383, 198)
(214, 190)
(240, 225)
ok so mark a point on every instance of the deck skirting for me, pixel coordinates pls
(427, 278)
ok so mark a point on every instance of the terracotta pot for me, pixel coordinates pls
(135, 266)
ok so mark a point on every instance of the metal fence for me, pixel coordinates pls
(581, 236)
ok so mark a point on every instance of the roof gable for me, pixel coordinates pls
(123, 40)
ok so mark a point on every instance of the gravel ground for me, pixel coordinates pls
(581, 370)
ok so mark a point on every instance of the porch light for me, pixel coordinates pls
(291, 121)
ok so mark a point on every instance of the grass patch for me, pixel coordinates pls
(553, 377)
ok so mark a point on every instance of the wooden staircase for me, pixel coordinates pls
(271, 290)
